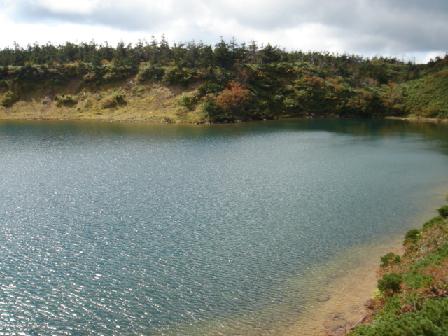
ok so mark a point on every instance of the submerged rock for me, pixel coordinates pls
(323, 298)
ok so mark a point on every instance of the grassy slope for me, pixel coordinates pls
(419, 305)
(427, 96)
(144, 102)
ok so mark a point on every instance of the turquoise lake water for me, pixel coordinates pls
(113, 229)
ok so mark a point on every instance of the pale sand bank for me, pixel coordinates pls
(342, 305)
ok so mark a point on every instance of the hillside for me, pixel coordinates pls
(197, 83)
(427, 96)
(412, 294)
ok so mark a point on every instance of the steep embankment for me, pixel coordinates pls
(412, 294)
(125, 102)
(196, 83)
(291, 85)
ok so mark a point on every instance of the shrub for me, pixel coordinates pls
(66, 100)
(3, 83)
(178, 76)
(231, 104)
(443, 211)
(416, 280)
(28, 72)
(188, 102)
(234, 100)
(390, 283)
(9, 99)
(116, 72)
(114, 100)
(431, 320)
(212, 111)
(390, 259)
(209, 87)
(150, 73)
(412, 236)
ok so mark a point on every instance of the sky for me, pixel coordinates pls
(409, 29)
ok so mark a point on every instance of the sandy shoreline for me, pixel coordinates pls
(342, 304)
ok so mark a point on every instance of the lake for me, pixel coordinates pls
(115, 229)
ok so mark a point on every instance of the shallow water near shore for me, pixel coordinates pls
(183, 230)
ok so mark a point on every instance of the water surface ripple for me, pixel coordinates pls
(114, 229)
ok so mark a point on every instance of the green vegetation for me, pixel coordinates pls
(66, 100)
(225, 83)
(412, 236)
(114, 100)
(413, 297)
(427, 96)
(430, 320)
(390, 259)
(443, 211)
(9, 99)
(390, 283)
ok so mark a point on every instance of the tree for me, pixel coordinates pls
(222, 55)
(270, 54)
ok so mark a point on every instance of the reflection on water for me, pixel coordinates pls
(126, 229)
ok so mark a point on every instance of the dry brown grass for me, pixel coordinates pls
(149, 103)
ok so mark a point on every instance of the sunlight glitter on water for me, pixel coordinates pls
(148, 230)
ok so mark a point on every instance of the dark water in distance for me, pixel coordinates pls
(128, 229)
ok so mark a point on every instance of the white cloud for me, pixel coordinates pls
(78, 6)
(400, 28)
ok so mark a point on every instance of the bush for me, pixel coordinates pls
(209, 87)
(390, 259)
(117, 72)
(212, 111)
(431, 320)
(115, 100)
(443, 211)
(66, 100)
(150, 73)
(178, 76)
(9, 99)
(390, 283)
(412, 236)
(234, 100)
(416, 280)
(188, 102)
(28, 72)
(3, 83)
